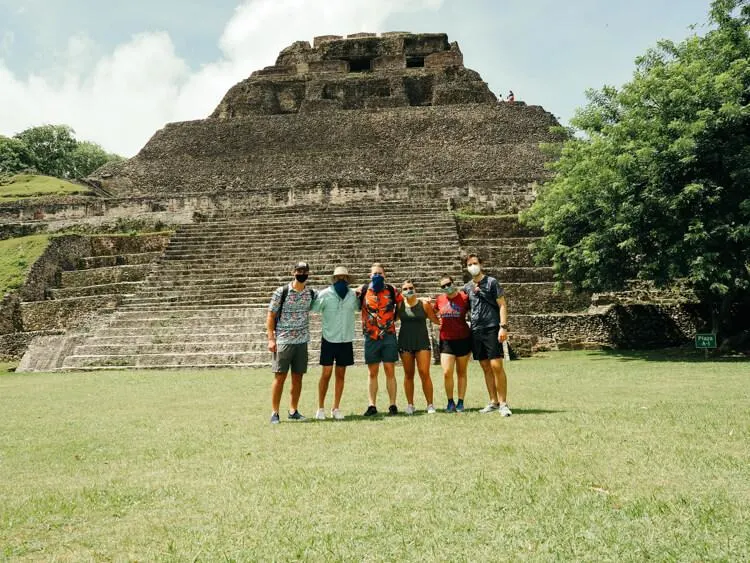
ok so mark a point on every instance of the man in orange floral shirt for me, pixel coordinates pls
(379, 303)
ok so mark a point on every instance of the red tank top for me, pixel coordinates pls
(453, 316)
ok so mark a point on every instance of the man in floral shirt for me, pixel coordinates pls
(379, 303)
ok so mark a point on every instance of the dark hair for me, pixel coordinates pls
(470, 256)
(409, 282)
(446, 277)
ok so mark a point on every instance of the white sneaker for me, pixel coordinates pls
(504, 409)
(490, 408)
(336, 414)
(410, 409)
(431, 409)
(320, 414)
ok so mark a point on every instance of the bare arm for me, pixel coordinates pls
(430, 312)
(271, 331)
(503, 334)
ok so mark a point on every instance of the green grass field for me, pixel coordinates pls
(607, 458)
(29, 185)
(16, 257)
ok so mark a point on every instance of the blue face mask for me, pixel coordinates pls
(378, 282)
(341, 287)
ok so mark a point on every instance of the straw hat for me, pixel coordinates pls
(341, 271)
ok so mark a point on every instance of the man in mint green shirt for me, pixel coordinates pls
(337, 305)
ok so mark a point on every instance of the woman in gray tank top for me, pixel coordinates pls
(414, 344)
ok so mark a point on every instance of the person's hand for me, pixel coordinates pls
(358, 290)
(272, 345)
(502, 336)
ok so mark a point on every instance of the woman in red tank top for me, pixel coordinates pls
(452, 306)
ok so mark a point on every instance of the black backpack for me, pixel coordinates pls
(389, 287)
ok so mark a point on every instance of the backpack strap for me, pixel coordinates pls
(284, 293)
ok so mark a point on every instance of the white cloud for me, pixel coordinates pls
(122, 98)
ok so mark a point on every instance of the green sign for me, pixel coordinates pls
(705, 341)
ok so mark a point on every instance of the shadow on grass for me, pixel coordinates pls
(681, 354)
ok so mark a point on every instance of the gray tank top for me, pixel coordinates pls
(413, 334)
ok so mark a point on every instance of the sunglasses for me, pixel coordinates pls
(407, 288)
(446, 285)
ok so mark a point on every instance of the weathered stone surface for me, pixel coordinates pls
(14, 345)
(65, 313)
(488, 143)
(444, 59)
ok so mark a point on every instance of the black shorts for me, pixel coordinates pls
(458, 348)
(484, 344)
(342, 353)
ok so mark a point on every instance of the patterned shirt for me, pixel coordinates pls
(379, 313)
(292, 327)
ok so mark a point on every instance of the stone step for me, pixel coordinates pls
(121, 288)
(520, 275)
(312, 216)
(239, 266)
(104, 275)
(323, 226)
(498, 242)
(543, 297)
(318, 281)
(259, 346)
(507, 257)
(491, 226)
(206, 359)
(313, 244)
(117, 260)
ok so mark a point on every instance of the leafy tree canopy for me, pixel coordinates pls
(52, 150)
(654, 180)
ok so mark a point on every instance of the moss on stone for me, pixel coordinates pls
(16, 257)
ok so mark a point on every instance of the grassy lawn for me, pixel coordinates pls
(606, 458)
(29, 185)
(16, 257)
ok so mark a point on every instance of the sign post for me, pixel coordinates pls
(705, 342)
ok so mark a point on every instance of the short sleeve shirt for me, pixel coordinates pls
(452, 314)
(379, 313)
(293, 326)
(484, 310)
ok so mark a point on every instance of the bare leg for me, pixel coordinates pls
(448, 361)
(423, 366)
(339, 386)
(325, 379)
(373, 387)
(390, 380)
(277, 387)
(489, 380)
(501, 380)
(407, 359)
(462, 367)
(295, 391)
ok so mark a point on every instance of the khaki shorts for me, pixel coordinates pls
(292, 356)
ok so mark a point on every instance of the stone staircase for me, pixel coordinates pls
(204, 303)
(541, 315)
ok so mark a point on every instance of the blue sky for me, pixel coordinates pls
(117, 71)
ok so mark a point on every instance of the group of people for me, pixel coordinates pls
(472, 319)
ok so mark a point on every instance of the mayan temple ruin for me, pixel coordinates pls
(347, 151)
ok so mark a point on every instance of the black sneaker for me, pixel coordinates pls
(296, 416)
(275, 418)
(371, 411)
(392, 410)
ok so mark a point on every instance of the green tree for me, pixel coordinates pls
(87, 157)
(14, 156)
(53, 150)
(50, 149)
(654, 182)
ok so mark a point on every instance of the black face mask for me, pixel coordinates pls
(301, 278)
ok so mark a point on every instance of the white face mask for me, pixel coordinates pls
(474, 269)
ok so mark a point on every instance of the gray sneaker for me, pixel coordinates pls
(504, 409)
(492, 407)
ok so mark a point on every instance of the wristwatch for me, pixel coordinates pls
(504, 327)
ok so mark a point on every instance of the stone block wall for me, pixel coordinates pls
(368, 147)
